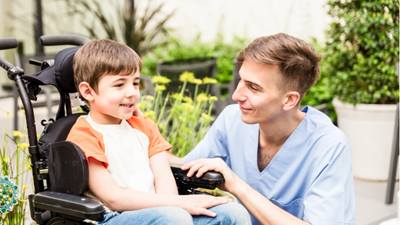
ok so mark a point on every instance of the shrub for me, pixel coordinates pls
(179, 50)
(320, 94)
(361, 51)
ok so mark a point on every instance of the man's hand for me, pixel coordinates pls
(200, 166)
(200, 204)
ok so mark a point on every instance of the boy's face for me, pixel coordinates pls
(259, 93)
(116, 98)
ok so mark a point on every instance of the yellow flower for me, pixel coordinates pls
(177, 96)
(5, 159)
(148, 98)
(196, 81)
(17, 134)
(187, 107)
(212, 98)
(209, 80)
(206, 118)
(160, 80)
(201, 97)
(187, 99)
(22, 146)
(186, 77)
(160, 88)
(150, 114)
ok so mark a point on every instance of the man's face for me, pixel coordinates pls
(116, 98)
(260, 93)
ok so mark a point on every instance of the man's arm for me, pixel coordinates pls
(262, 208)
(258, 205)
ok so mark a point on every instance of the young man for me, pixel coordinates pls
(285, 165)
(128, 168)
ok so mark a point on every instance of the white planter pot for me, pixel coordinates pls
(369, 128)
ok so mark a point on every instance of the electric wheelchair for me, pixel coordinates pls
(59, 168)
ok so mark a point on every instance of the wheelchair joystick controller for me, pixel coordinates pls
(188, 185)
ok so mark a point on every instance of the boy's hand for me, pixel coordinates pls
(200, 166)
(199, 204)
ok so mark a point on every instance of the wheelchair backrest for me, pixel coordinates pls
(66, 164)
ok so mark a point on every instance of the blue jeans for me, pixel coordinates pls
(227, 214)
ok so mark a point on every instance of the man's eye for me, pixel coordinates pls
(253, 87)
(136, 83)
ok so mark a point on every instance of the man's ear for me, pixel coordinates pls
(86, 91)
(292, 100)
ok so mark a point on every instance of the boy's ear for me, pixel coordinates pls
(86, 91)
(292, 100)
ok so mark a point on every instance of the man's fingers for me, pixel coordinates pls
(202, 170)
(193, 169)
(189, 164)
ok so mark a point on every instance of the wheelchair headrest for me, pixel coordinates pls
(60, 74)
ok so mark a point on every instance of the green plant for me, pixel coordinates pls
(14, 167)
(142, 29)
(182, 119)
(361, 51)
(179, 50)
(320, 94)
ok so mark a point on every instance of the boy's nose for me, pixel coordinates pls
(132, 91)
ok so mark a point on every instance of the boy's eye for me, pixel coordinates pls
(118, 85)
(136, 83)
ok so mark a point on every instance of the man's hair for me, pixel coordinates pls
(297, 61)
(99, 57)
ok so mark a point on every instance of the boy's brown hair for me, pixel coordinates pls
(297, 61)
(99, 57)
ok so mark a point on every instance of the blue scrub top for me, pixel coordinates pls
(309, 177)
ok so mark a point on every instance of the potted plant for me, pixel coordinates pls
(361, 54)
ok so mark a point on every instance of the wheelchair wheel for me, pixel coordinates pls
(61, 221)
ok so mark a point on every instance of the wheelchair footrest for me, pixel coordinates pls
(75, 206)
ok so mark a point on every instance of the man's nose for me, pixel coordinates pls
(238, 93)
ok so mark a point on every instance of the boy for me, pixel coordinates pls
(128, 169)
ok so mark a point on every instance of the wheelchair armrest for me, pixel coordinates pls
(186, 185)
(72, 206)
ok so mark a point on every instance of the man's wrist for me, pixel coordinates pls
(238, 186)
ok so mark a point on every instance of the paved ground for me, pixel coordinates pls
(370, 198)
